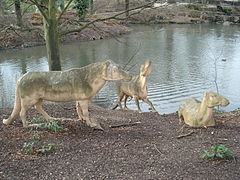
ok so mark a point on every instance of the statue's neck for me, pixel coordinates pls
(204, 110)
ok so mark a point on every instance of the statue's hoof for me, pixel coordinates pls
(96, 125)
(6, 121)
(98, 128)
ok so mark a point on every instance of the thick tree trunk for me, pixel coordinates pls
(91, 6)
(1, 7)
(18, 12)
(127, 7)
(52, 44)
(52, 38)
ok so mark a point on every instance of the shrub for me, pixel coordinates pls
(36, 120)
(51, 125)
(194, 6)
(81, 8)
(217, 152)
(194, 14)
(47, 149)
(30, 146)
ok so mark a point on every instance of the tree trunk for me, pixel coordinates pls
(127, 7)
(1, 7)
(52, 38)
(18, 12)
(91, 6)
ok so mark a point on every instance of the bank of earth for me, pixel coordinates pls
(181, 13)
(153, 147)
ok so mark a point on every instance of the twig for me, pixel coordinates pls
(124, 124)
(181, 129)
(184, 135)
(157, 149)
(131, 58)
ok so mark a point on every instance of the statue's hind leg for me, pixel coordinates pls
(146, 100)
(125, 102)
(119, 100)
(38, 107)
(79, 110)
(25, 105)
(137, 103)
(180, 116)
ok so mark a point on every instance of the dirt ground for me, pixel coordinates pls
(150, 149)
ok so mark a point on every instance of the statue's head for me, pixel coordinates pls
(113, 72)
(214, 99)
(146, 68)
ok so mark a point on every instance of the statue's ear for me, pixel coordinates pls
(205, 95)
(106, 64)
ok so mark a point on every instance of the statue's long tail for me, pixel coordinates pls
(16, 109)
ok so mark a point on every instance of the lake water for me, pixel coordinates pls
(187, 61)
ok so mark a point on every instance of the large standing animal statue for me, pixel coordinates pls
(196, 113)
(79, 84)
(136, 88)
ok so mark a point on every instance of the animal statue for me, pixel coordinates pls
(79, 84)
(196, 113)
(136, 88)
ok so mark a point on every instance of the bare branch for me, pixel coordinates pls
(101, 29)
(184, 135)
(131, 58)
(17, 28)
(64, 10)
(40, 8)
(157, 149)
(25, 10)
(107, 18)
(124, 124)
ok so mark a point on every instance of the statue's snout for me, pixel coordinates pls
(225, 102)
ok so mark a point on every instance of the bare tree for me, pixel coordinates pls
(127, 7)
(91, 6)
(52, 26)
(18, 12)
(1, 7)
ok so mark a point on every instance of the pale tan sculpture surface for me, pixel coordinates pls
(196, 113)
(136, 88)
(79, 84)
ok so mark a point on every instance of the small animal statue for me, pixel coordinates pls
(136, 88)
(79, 84)
(196, 113)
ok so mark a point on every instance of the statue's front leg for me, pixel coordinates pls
(84, 113)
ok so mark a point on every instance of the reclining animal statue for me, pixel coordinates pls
(196, 113)
(136, 88)
(79, 84)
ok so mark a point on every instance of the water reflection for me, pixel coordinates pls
(183, 63)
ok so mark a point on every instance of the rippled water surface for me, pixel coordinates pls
(187, 61)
